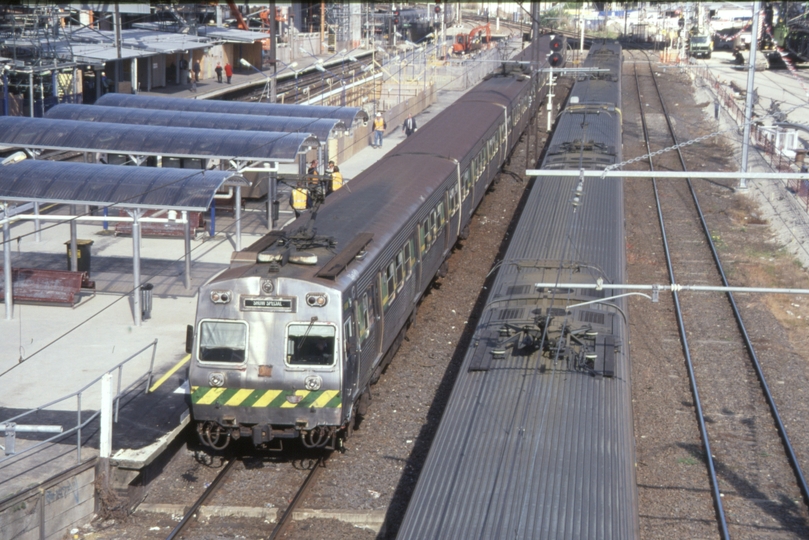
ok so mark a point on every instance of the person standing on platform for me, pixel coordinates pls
(218, 70)
(379, 130)
(196, 69)
(228, 71)
(336, 177)
(409, 126)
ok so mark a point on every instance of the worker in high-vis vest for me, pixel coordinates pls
(299, 195)
(336, 176)
(379, 130)
(336, 179)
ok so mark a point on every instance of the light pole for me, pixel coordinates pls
(266, 90)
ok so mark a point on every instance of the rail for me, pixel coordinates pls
(781, 428)
(9, 425)
(703, 429)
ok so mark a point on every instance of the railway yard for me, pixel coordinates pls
(688, 355)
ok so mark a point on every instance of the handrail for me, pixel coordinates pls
(77, 394)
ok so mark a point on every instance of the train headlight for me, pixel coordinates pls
(221, 297)
(316, 299)
(216, 379)
(312, 383)
(267, 286)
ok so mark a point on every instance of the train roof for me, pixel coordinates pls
(383, 199)
(531, 445)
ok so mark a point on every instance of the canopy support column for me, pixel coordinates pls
(9, 296)
(238, 218)
(136, 214)
(37, 232)
(213, 218)
(74, 261)
(31, 92)
(187, 241)
(272, 199)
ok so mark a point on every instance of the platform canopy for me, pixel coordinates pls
(104, 185)
(49, 134)
(323, 129)
(348, 115)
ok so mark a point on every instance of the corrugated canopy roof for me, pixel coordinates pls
(45, 133)
(128, 187)
(232, 35)
(348, 115)
(320, 128)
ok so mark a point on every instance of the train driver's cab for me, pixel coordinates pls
(310, 345)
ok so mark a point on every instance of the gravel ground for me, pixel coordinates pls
(378, 471)
(759, 491)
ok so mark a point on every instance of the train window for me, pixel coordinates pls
(492, 146)
(389, 284)
(433, 226)
(310, 345)
(222, 341)
(363, 320)
(442, 219)
(400, 272)
(453, 200)
(465, 182)
(408, 257)
(481, 161)
(348, 333)
(422, 237)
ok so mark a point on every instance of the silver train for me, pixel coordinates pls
(288, 340)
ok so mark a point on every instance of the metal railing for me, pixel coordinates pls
(760, 138)
(10, 425)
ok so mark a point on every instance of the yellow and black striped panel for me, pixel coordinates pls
(246, 397)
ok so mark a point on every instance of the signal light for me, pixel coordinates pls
(556, 44)
(396, 20)
(437, 6)
(555, 59)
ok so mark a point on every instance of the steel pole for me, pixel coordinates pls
(74, 257)
(748, 103)
(187, 245)
(136, 265)
(9, 296)
(238, 218)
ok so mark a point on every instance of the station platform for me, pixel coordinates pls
(54, 351)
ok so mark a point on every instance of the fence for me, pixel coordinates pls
(760, 137)
(11, 425)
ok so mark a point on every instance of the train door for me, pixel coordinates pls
(350, 359)
(367, 336)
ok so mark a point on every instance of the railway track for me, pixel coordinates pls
(756, 482)
(184, 528)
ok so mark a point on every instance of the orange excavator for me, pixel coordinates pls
(465, 44)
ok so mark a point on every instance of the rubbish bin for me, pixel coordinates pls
(82, 255)
(146, 300)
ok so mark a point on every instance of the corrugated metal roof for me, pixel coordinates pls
(323, 129)
(532, 444)
(348, 115)
(129, 187)
(232, 34)
(45, 133)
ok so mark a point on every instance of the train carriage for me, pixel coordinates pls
(537, 437)
(289, 339)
